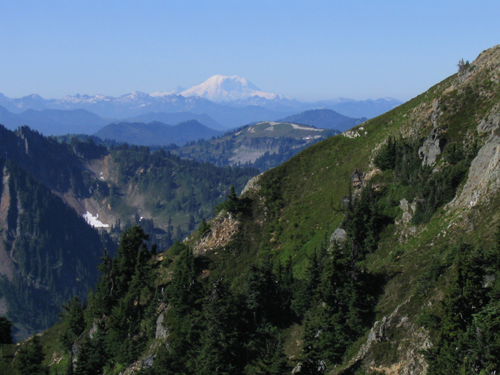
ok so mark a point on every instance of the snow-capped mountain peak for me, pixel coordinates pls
(226, 88)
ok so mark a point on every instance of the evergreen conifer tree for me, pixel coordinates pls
(222, 350)
(5, 330)
(29, 360)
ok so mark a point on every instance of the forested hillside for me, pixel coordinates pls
(163, 191)
(156, 133)
(49, 252)
(264, 145)
(123, 184)
(376, 251)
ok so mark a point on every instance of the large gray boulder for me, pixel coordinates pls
(338, 236)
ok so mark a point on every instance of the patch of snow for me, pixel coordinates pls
(295, 126)
(94, 220)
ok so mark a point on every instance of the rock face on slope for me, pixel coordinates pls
(338, 236)
(484, 175)
(416, 339)
(431, 148)
(465, 111)
(222, 230)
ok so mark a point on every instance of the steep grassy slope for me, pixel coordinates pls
(299, 204)
(307, 191)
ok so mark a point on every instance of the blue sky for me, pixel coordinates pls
(310, 50)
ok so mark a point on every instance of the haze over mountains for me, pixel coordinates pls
(325, 119)
(223, 102)
(156, 133)
(54, 121)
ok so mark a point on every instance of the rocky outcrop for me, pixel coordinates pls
(252, 185)
(7, 267)
(483, 181)
(222, 230)
(357, 180)
(351, 134)
(491, 123)
(431, 148)
(338, 236)
(407, 214)
(411, 360)
(161, 330)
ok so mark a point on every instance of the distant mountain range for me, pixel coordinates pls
(54, 121)
(325, 119)
(178, 117)
(223, 102)
(156, 133)
(160, 134)
(153, 128)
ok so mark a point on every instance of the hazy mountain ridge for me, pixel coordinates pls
(325, 118)
(137, 104)
(241, 103)
(54, 121)
(156, 133)
(178, 117)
